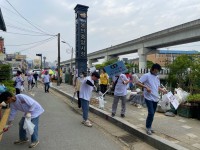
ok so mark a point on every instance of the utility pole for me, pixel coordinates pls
(58, 80)
(44, 62)
(40, 59)
(71, 60)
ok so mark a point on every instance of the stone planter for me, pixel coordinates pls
(188, 110)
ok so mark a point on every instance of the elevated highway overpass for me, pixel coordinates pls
(181, 34)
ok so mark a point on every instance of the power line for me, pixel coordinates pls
(29, 43)
(37, 45)
(26, 19)
(26, 34)
(23, 29)
(16, 21)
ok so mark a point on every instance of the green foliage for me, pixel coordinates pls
(5, 72)
(185, 71)
(9, 85)
(194, 98)
(149, 64)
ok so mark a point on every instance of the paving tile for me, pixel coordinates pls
(197, 145)
(186, 127)
(181, 120)
(191, 135)
(141, 119)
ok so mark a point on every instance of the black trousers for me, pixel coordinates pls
(79, 100)
(103, 88)
(17, 91)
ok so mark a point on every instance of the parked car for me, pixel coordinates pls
(14, 70)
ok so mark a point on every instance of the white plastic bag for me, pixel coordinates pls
(165, 103)
(50, 84)
(181, 94)
(22, 88)
(28, 126)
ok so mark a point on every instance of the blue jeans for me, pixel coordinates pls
(46, 87)
(85, 108)
(151, 106)
(22, 132)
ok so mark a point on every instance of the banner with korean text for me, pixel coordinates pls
(116, 69)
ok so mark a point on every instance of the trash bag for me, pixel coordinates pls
(165, 103)
(28, 126)
(181, 95)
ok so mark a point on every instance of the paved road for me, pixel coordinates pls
(60, 128)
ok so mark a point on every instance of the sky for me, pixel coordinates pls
(110, 22)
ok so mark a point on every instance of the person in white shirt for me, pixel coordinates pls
(31, 108)
(18, 82)
(30, 81)
(151, 84)
(78, 82)
(46, 81)
(120, 92)
(85, 95)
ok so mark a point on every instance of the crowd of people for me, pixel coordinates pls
(149, 83)
(84, 85)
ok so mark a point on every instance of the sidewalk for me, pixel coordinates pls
(171, 132)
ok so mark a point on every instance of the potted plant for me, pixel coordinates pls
(195, 100)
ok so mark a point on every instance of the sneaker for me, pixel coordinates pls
(34, 144)
(113, 115)
(122, 115)
(149, 132)
(152, 131)
(21, 141)
(83, 122)
(88, 123)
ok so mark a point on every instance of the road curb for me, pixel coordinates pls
(153, 140)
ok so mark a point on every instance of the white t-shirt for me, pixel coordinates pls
(153, 82)
(46, 78)
(120, 88)
(85, 89)
(25, 104)
(19, 81)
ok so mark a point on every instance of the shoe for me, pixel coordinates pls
(152, 131)
(88, 123)
(21, 141)
(83, 122)
(149, 132)
(113, 115)
(122, 115)
(34, 144)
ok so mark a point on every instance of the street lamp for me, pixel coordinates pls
(71, 54)
(41, 59)
(44, 62)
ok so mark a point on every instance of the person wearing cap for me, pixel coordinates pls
(85, 95)
(151, 85)
(18, 82)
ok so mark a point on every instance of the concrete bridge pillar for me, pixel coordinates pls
(107, 57)
(142, 52)
(90, 61)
